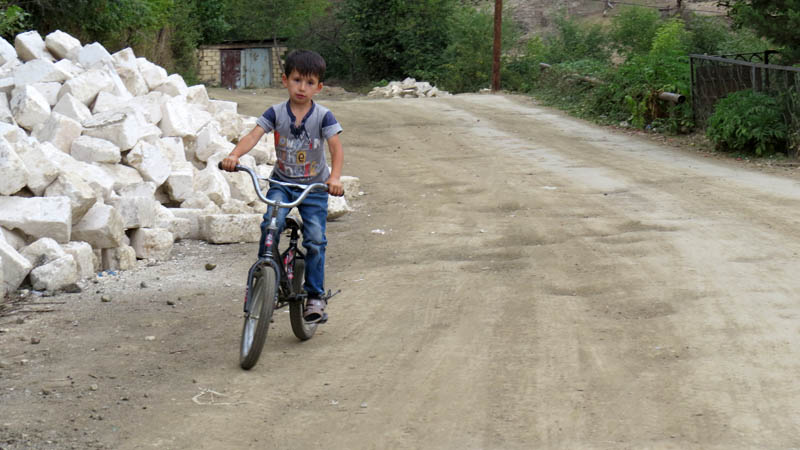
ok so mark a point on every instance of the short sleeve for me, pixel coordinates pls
(330, 127)
(267, 120)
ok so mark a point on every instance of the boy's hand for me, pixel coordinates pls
(335, 187)
(230, 163)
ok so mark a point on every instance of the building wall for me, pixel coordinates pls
(210, 72)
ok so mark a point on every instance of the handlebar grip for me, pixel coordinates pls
(235, 169)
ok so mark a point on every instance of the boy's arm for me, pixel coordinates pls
(245, 145)
(337, 161)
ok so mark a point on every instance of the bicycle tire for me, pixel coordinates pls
(256, 323)
(302, 329)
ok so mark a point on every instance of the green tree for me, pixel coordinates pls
(398, 38)
(13, 20)
(776, 20)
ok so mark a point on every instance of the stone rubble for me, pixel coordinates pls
(106, 159)
(408, 88)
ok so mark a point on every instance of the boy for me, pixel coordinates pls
(300, 126)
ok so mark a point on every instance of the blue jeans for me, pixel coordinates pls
(314, 211)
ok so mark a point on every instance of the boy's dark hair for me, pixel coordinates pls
(305, 62)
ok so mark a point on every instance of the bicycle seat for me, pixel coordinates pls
(293, 220)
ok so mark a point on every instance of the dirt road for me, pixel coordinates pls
(512, 279)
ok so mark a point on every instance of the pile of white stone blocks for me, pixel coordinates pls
(106, 160)
(407, 88)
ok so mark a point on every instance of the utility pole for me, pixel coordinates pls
(498, 30)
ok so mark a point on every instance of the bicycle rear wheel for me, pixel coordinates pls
(264, 291)
(302, 329)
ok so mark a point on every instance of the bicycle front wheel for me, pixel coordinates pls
(302, 329)
(264, 291)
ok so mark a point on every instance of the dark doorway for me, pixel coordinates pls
(231, 68)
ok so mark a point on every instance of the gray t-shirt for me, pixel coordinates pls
(300, 150)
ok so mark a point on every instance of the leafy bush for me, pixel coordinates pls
(634, 28)
(748, 121)
(573, 41)
(13, 20)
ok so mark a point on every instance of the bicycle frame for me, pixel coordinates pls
(283, 265)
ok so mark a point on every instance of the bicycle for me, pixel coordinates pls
(275, 280)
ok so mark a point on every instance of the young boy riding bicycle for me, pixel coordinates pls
(301, 129)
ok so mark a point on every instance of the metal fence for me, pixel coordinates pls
(714, 77)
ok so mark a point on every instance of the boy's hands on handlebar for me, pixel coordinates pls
(335, 187)
(230, 163)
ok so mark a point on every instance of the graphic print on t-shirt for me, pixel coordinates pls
(292, 155)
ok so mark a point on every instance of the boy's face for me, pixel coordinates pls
(301, 87)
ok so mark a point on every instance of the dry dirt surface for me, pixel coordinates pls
(512, 279)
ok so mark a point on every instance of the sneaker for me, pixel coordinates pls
(314, 310)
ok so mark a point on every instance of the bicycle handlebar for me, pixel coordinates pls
(307, 188)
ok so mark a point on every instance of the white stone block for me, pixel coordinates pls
(173, 86)
(150, 106)
(352, 186)
(55, 275)
(94, 55)
(125, 58)
(38, 216)
(84, 257)
(217, 106)
(87, 85)
(136, 212)
(101, 227)
(81, 195)
(124, 127)
(198, 95)
(211, 182)
(60, 131)
(59, 43)
(91, 149)
(192, 215)
(264, 151)
(230, 228)
(30, 46)
(6, 115)
(176, 118)
(71, 107)
(173, 148)
(235, 206)
(106, 101)
(7, 52)
(14, 238)
(49, 90)
(118, 87)
(120, 258)
(122, 175)
(230, 124)
(13, 134)
(38, 71)
(29, 107)
(197, 200)
(42, 251)
(13, 171)
(133, 80)
(143, 189)
(15, 267)
(150, 162)
(70, 68)
(7, 85)
(152, 243)
(337, 207)
(154, 75)
(180, 183)
(45, 169)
